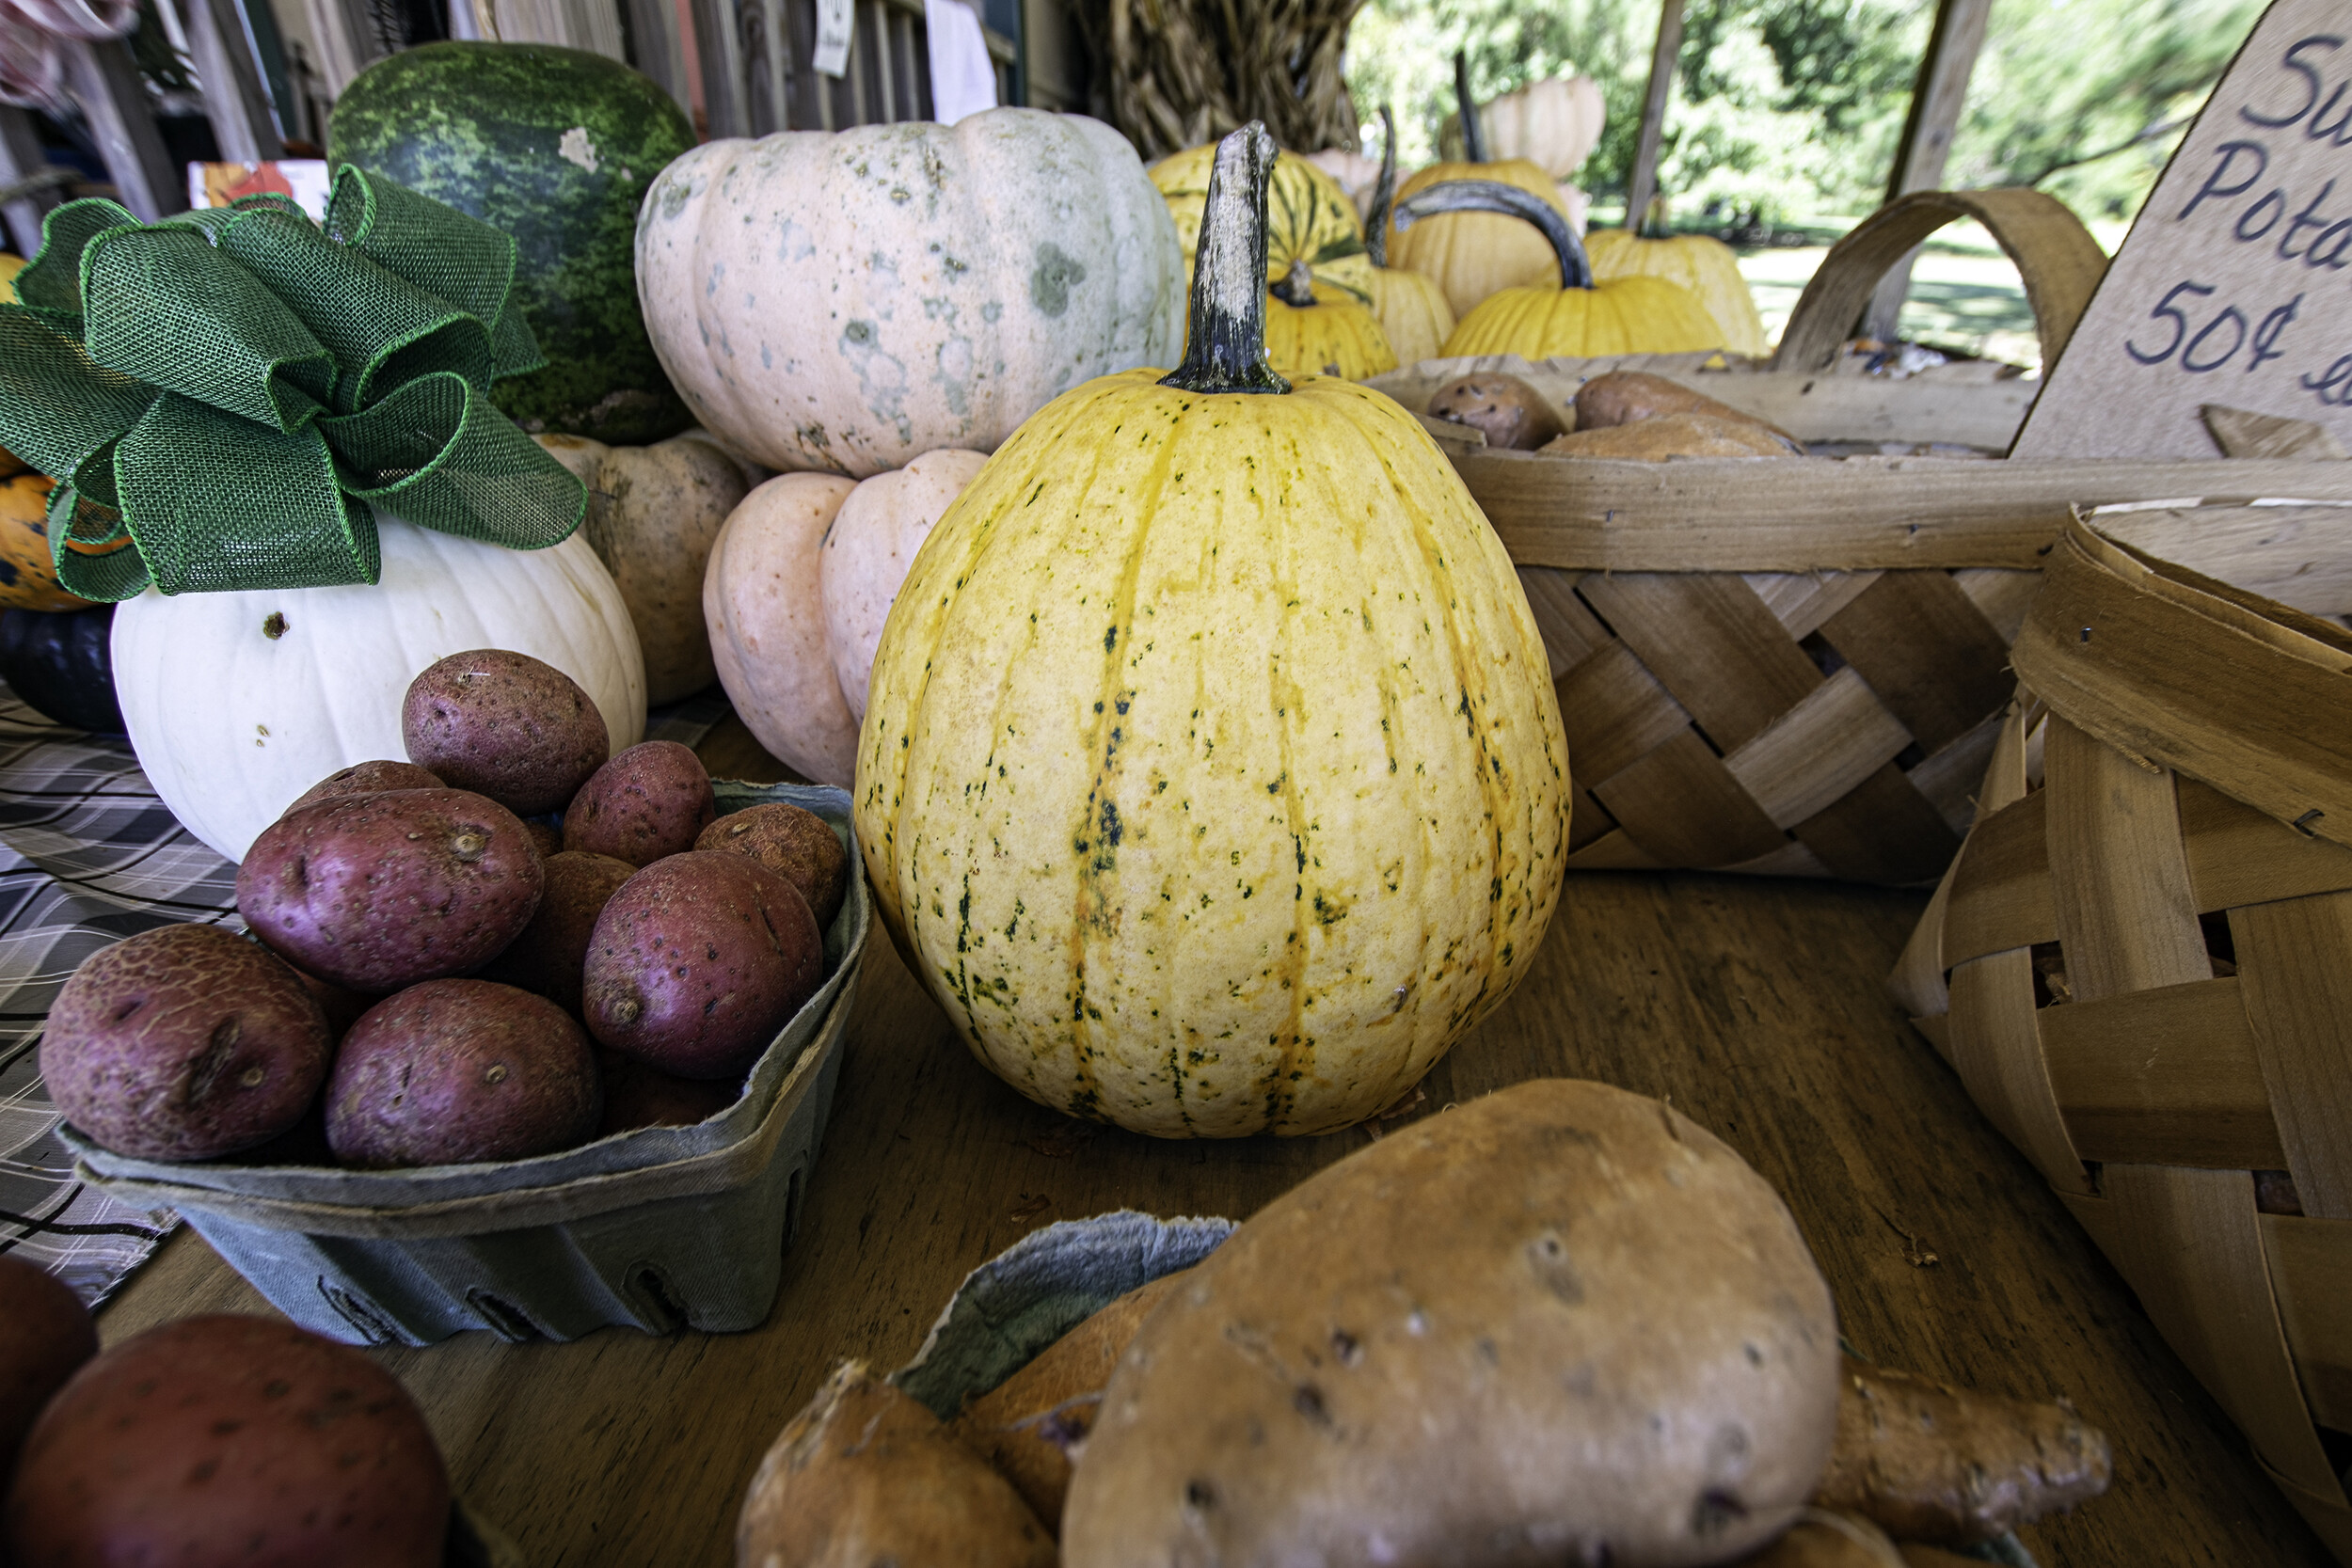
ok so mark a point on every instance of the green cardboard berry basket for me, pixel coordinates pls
(657, 1227)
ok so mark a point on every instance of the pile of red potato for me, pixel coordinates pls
(444, 943)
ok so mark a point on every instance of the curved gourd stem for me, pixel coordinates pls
(1493, 196)
(1474, 134)
(1382, 194)
(1297, 286)
(1225, 342)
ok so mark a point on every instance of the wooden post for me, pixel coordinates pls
(652, 34)
(1643, 182)
(106, 85)
(233, 99)
(1936, 100)
(719, 39)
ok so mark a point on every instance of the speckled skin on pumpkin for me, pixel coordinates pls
(1308, 218)
(1704, 265)
(557, 147)
(1337, 335)
(1473, 254)
(1633, 315)
(1213, 775)
(850, 301)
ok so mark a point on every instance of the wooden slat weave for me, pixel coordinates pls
(2142, 968)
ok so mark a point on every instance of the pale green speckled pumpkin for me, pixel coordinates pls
(1212, 776)
(850, 301)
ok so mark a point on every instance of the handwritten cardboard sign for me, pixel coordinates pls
(835, 31)
(2235, 286)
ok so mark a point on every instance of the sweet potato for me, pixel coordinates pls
(217, 1442)
(1028, 1425)
(1821, 1540)
(1671, 435)
(1628, 397)
(866, 1476)
(1563, 1322)
(187, 1042)
(1929, 1462)
(1511, 414)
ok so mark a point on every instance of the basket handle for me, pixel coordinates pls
(2056, 255)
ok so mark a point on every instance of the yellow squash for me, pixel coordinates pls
(1212, 777)
(1308, 218)
(1314, 329)
(1473, 254)
(1705, 266)
(28, 572)
(1575, 318)
(1411, 308)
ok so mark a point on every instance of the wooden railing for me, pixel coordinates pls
(756, 76)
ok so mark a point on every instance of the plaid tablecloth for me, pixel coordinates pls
(88, 856)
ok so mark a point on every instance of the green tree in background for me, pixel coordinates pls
(1792, 108)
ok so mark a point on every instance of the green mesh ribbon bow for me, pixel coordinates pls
(224, 396)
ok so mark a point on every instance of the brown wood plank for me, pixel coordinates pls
(1860, 513)
(1936, 99)
(1754, 1005)
(1641, 182)
(1882, 831)
(1683, 807)
(1615, 712)
(2311, 1269)
(2298, 999)
(1712, 642)
(2238, 855)
(1928, 652)
(2001, 893)
(1570, 634)
(2168, 1076)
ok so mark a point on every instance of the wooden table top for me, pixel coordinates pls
(1756, 1005)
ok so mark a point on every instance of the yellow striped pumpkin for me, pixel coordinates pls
(1698, 262)
(1314, 329)
(1212, 777)
(1411, 307)
(1308, 218)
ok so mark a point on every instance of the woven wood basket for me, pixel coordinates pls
(1798, 666)
(2141, 963)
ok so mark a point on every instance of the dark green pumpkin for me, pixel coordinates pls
(60, 664)
(556, 147)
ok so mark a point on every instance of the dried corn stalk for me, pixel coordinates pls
(1182, 72)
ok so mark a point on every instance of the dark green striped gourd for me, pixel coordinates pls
(556, 147)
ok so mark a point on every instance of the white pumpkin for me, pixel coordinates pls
(237, 702)
(1553, 124)
(868, 550)
(799, 583)
(1357, 175)
(848, 301)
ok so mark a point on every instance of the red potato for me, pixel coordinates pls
(547, 956)
(377, 892)
(45, 1333)
(452, 1071)
(638, 1095)
(505, 725)
(228, 1442)
(798, 844)
(185, 1043)
(368, 778)
(698, 960)
(649, 801)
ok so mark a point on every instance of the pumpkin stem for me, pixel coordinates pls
(1653, 220)
(1297, 286)
(1225, 343)
(1382, 194)
(1474, 134)
(1493, 196)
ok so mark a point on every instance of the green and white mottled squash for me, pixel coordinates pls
(848, 302)
(237, 702)
(1212, 776)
